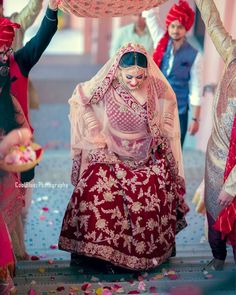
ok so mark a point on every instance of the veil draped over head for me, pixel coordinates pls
(87, 128)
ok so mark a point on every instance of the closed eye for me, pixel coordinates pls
(139, 77)
(129, 77)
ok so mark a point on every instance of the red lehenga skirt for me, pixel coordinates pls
(127, 216)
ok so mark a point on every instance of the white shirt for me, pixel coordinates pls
(195, 83)
(127, 34)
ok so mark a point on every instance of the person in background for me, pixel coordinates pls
(220, 169)
(19, 64)
(179, 61)
(136, 32)
(127, 205)
(25, 18)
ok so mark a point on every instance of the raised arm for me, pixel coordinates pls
(116, 42)
(195, 87)
(28, 14)
(220, 37)
(29, 55)
(153, 23)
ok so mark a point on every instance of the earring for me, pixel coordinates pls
(120, 79)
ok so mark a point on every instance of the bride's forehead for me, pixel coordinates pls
(133, 71)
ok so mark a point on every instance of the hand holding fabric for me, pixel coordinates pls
(225, 198)
(53, 4)
(193, 127)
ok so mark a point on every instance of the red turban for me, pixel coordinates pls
(185, 15)
(7, 31)
(181, 12)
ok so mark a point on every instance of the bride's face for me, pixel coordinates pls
(133, 77)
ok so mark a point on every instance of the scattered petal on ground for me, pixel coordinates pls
(32, 292)
(54, 246)
(60, 289)
(85, 286)
(141, 286)
(41, 270)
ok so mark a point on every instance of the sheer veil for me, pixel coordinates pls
(161, 107)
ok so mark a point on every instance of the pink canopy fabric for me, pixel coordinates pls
(105, 8)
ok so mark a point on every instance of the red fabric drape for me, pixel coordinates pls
(226, 221)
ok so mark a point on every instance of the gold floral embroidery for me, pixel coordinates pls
(164, 220)
(101, 224)
(136, 207)
(108, 196)
(83, 206)
(140, 247)
(121, 174)
(151, 224)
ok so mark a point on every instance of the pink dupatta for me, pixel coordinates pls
(86, 108)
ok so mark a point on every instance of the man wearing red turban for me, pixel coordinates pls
(179, 61)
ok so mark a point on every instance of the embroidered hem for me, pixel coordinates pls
(110, 254)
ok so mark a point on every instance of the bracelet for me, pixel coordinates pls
(20, 135)
(195, 120)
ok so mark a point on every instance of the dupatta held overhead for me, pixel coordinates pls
(127, 204)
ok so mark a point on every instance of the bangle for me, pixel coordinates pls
(19, 134)
(195, 120)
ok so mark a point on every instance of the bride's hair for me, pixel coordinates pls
(133, 58)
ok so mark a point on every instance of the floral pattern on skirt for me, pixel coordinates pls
(126, 216)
